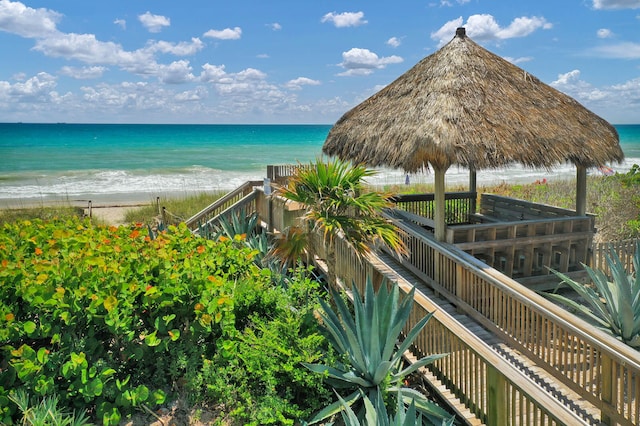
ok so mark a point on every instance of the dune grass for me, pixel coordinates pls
(177, 209)
(39, 212)
(615, 203)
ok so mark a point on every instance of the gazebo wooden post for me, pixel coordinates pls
(473, 187)
(581, 190)
(439, 214)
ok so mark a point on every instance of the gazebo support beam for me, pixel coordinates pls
(439, 218)
(581, 190)
(473, 187)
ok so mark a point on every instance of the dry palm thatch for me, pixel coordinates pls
(464, 105)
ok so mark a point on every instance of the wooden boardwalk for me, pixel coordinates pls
(586, 412)
(514, 358)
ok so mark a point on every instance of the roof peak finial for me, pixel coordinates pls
(461, 32)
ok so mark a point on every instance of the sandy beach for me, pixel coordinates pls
(110, 209)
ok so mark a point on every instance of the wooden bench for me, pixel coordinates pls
(415, 218)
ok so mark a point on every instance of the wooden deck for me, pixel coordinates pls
(521, 239)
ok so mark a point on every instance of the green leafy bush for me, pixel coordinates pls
(109, 319)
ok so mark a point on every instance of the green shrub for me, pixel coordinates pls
(109, 319)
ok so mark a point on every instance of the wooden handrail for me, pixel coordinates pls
(537, 327)
(497, 383)
(222, 203)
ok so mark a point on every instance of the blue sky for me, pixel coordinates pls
(256, 61)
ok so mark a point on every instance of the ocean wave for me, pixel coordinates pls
(83, 184)
(80, 184)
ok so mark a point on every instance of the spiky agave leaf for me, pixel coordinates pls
(614, 305)
(369, 339)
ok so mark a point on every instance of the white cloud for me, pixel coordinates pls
(448, 3)
(224, 82)
(363, 61)
(485, 27)
(85, 48)
(226, 34)
(571, 84)
(275, 26)
(84, 73)
(394, 42)
(212, 73)
(121, 23)
(518, 60)
(177, 72)
(604, 33)
(262, 56)
(345, 19)
(178, 49)
(154, 23)
(16, 18)
(37, 88)
(198, 94)
(605, 100)
(566, 78)
(124, 97)
(616, 4)
(296, 84)
(624, 50)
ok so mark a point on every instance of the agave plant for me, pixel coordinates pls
(377, 415)
(46, 411)
(613, 305)
(368, 340)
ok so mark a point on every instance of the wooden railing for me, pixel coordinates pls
(527, 248)
(489, 386)
(220, 205)
(626, 250)
(279, 173)
(458, 205)
(510, 209)
(585, 359)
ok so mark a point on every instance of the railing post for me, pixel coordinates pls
(606, 380)
(496, 397)
(460, 284)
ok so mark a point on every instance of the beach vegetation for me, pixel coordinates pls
(42, 212)
(612, 303)
(372, 368)
(376, 414)
(337, 204)
(114, 322)
(177, 208)
(46, 411)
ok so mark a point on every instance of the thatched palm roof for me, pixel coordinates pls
(467, 106)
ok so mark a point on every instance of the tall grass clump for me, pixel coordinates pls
(43, 212)
(178, 209)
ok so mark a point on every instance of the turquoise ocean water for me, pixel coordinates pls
(139, 162)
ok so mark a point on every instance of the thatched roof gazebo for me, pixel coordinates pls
(466, 106)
